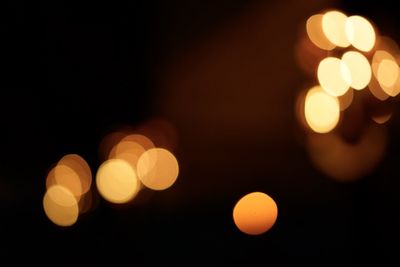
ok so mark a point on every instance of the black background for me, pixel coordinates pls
(71, 72)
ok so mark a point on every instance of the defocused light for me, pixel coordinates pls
(315, 33)
(60, 206)
(140, 139)
(255, 213)
(130, 148)
(333, 26)
(334, 76)
(381, 118)
(81, 168)
(360, 33)
(116, 181)
(378, 57)
(345, 161)
(128, 151)
(376, 89)
(346, 100)
(380, 112)
(360, 70)
(65, 176)
(321, 110)
(388, 72)
(158, 169)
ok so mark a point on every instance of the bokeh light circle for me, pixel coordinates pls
(255, 213)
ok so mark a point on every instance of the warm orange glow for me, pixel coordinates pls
(60, 206)
(344, 161)
(128, 151)
(334, 76)
(116, 181)
(346, 100)
(378, 57)
(321, 110)
(360, 70)
(140, 139)
(376, 89)
(65, 176)
(381, 118)
(387, 72)
(157, 169)
(130, 148)
(381, 112)
(333, 26)
(81, 168)
(255, 213)
(360, 33)
(315, 33)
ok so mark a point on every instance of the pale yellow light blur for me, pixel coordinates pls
(81, 168)
(360, 69)
(157, 169)
(333, 26)
(255, 213)
(346, 100)
(315, 33)
(360, 33)
(378, 57)
(388, 72)
(116, 181)
(60, 206)
(65, 176)
(334, 76)
(321, 110)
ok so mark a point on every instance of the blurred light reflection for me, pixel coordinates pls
(255, 213)
(345, 161)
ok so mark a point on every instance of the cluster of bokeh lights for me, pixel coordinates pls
(132, 163)
(68, 184)
(357, 58)
(351, 64)
(352, 56)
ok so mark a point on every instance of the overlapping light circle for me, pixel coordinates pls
(356, 58)
(125, 154)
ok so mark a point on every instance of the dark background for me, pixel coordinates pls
(223, 73)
